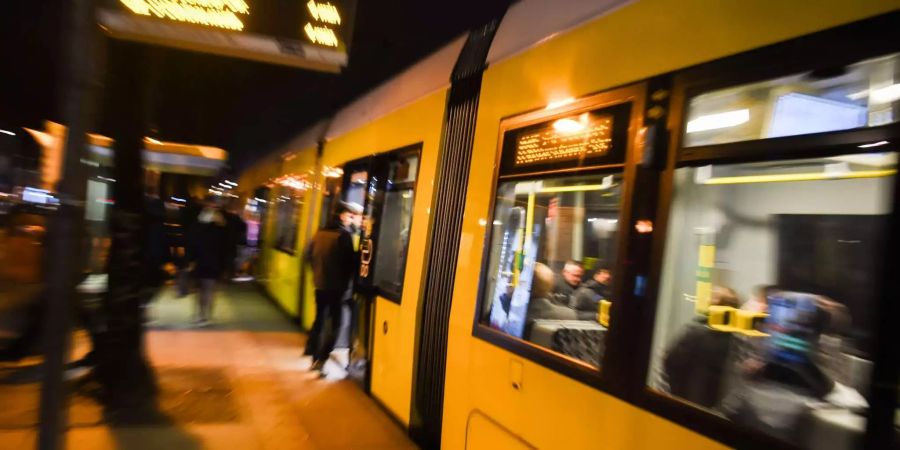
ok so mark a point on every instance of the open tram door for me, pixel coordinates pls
(384, 185)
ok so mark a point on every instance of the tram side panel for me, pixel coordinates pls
(495, 397)
(394, 332)
(285, 236)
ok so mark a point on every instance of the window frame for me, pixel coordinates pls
(370, 164)
(596, 377)
(387, 157)
(872, 37)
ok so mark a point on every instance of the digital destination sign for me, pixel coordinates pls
(592, 138)
(566, 139)
(311, 34)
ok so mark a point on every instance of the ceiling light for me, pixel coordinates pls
(719, 120)
(568, 126)
(874, 144)
(8, 132)
(887, 94)
(858, 95)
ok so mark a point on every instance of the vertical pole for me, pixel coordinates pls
(77, 80)
(123, 371)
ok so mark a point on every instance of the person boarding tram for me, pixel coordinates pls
(334, 262)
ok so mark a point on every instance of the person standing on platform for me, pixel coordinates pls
(334, 262)
(207, 251)
(237, 238)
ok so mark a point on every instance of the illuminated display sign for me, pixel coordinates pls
(582, 139)
(213, 13)
(310, 34)
(568, 138)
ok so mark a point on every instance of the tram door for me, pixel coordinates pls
(384, 185)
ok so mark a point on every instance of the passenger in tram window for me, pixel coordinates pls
(695, 363)
(206, 248)
(791, 396)
(757, 302)
(568, 281)
(587, 297)
(542, 305)
(334, 262)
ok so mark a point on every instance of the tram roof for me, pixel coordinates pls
(527, 23)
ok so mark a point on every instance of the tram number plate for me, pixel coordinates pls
(566, 139)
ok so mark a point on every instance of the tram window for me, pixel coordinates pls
(356, 189)
(396, 221)
(288, 207)
(769, 293)
(860, 95)
(330, 191)
(548, 280)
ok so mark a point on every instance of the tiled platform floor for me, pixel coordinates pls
(240, 384)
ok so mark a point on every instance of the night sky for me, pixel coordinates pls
(248, 108)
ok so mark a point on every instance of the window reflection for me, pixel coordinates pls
(288, 208)
(861, 95)
(552, 245)
(396, 222)
(769, 293)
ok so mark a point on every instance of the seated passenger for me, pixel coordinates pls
(541, 304)
(694, 365)
(567, 282)
(588, 296)
(781, 396)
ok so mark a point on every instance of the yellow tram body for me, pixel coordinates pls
(640, 40)
(494, 398)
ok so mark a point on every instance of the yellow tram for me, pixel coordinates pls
(619, 224)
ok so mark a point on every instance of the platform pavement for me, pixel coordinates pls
(239, 384)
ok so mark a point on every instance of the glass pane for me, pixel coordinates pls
(288, 207)
(865, 94)
(331, 190)
(769, 291)
(396, 220)
(393, 240)
(356, 190)
(553, 242)
(403, 171)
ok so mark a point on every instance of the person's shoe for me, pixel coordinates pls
(317, 365)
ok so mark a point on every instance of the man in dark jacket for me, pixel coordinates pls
(334, 262)
(206, 252)
(567, 282)
(694, 365)
(588, 296)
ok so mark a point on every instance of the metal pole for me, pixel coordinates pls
(66, 226)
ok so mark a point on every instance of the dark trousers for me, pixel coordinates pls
(324, 332)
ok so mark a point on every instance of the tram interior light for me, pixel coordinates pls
(560, 103)
(888, 94)
(568, 126)
(7, 132)
(874, 144)
(719, 120)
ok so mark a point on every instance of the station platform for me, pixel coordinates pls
(238, 384)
